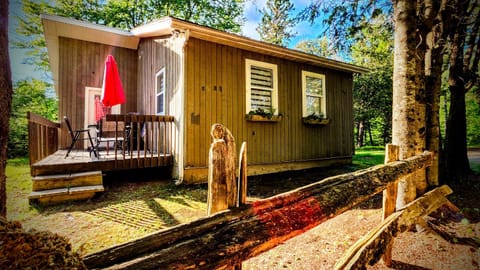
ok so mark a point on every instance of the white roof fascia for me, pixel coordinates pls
(56, 26)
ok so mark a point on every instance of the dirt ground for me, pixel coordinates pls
(322, 246)
(132, 209)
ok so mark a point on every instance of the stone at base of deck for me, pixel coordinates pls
(51, 189)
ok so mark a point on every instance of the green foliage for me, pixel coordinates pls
(28, 96)
(321, 47)
(373, 91)
(276, 22)
(30, 33)
(345, 19)
(125, 14)
(262, 112)
(315, 116)
(473, 118)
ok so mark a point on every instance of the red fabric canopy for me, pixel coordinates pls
(99, 113)
(112, 90)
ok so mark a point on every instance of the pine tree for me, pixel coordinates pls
(276, 23)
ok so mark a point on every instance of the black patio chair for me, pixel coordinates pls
(106, 134)
(76, 137)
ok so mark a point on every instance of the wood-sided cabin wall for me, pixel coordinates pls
(155, 54)
(216, 93)
(82, 64)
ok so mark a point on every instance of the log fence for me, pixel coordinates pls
(225, 238)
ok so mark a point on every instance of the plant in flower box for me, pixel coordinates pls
(261, 114)
(316, 119)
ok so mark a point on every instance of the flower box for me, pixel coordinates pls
(263, 118)
(315, 121)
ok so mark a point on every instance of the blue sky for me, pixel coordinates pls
(304, 30)
(251, 12)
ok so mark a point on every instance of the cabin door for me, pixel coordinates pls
(92, 107)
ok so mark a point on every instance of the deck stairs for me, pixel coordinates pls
(51, 189)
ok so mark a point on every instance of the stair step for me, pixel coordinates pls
(48, 182)
(57, 195)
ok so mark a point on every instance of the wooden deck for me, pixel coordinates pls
(80, 161)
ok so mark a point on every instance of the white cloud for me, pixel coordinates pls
(249, 30)
(253, 17)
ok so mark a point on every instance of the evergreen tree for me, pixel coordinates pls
(320, 46)
(276, 23)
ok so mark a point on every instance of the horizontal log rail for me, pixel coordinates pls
(366, 250)
(42, 137)
(232, 236)
(149, 138)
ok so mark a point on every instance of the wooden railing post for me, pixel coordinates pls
(390, 198)
(222, 186)
(242, 175)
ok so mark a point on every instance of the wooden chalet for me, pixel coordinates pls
(294, 110)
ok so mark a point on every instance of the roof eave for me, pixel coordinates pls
(56, 26)
(167, 25)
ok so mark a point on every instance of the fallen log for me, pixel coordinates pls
(232, 236)
(369, 249)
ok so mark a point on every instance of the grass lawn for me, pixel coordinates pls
(133, 207)
(368, 156)
(126, 210)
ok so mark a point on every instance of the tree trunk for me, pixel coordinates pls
(456, 159)
(369, 129)
(405, 121)
(437, 14)
(361, 133)
(5, 102)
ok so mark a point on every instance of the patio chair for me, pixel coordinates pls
(76, 136)
(106, 134)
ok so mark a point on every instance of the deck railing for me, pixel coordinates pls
(148, 140)
(42, 137)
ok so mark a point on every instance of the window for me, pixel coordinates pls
(313, 86)
(261, 86)
(160, 92)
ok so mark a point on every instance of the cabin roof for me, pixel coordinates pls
(167, 25)
(56, 26)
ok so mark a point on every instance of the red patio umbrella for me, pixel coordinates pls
(112, 90)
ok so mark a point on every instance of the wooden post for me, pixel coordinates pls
(223, 190)
(390, 198)
(222, 186)
(242, 175)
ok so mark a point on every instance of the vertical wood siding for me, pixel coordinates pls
(155, 54)
(82, 64)
(215, 93)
